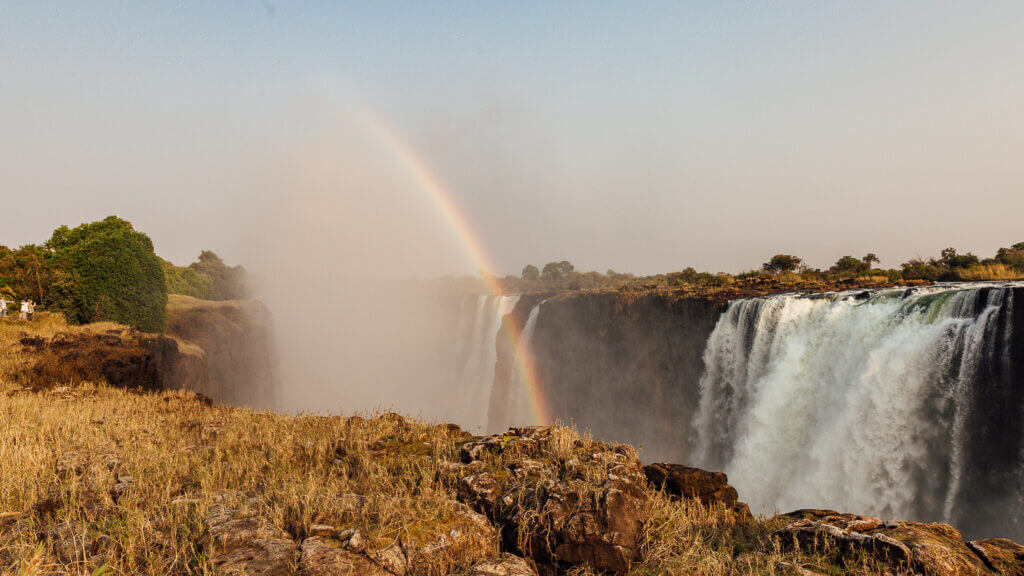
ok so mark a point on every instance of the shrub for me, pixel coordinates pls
(108, 272)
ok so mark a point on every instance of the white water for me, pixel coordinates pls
(475, 355)
(857, 404)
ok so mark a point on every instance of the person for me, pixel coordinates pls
(3, 308)
(24, 310)
(31, 309)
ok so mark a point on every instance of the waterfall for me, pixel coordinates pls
(510, 402)
(866, 402)
(520, 400)
(475, 354)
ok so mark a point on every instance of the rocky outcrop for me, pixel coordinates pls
(507, 565)
(558, 504)
(710, 488)
(123, 357)
(928, 549)
(221, 350)
(235, 339)
(1001, 555)
(239, 541)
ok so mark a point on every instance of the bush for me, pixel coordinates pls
(108, 272)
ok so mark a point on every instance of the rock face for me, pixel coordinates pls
(1002, 555)
(235, 339)
(222, 350)
(933, 549)
(558, 504)
(625, 366)
(685, 482)
(124, 358)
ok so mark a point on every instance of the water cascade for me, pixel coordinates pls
(903, 403)
(474, 356)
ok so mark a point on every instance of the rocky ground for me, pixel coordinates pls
(98, 479)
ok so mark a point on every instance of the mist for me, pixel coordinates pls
(344, 255)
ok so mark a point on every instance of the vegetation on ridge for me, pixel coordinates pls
(107, 270)
(786, 271)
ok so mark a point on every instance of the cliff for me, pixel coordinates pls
(624, 365)
(221, 350)
(235, 338)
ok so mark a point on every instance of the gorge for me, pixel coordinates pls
(898, 402)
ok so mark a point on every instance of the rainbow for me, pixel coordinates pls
(431, 185)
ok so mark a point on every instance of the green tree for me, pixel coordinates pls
(950, 259)
(531, 274)
(226, 282)
(849, 265)
(782, 263)
(870, 259)
(108, 271)
(1012, 256)
(557, 274)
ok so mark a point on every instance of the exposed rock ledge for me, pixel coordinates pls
(221, 350)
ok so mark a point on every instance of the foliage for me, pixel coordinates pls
(25, 272)
(1012, 256)
(108, 271)
(782, 263)
(850, 265)
(207, 278)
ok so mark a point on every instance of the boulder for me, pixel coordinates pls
(325, 557)
(1002, 555)
(930, 549)
(239, 541)
(710, 488)
(460, 538)
(507, 565)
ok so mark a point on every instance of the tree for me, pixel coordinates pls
(850, 265)
(226, 282)
(556, 274)
(108, 271)
(1012, 256)
(950, 259)
(870, 259)
(783, 263)
(530, 274)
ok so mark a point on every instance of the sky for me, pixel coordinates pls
(635, 136)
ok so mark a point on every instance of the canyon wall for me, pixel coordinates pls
(624, 365)
(224, 350)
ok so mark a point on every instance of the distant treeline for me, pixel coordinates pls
(107, 270)
(950, 266)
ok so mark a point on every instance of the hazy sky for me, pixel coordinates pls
(642, 137)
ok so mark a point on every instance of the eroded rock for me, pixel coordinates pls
(557, 498)
(507, 565)
(239, 541)
(710, 488)
(931, 549)
(324, 557)
(1000, 554)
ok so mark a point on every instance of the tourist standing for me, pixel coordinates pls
(3, 308)
(31, 309)
(23, 315)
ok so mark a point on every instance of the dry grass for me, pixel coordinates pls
(63, 448)
(990, 272)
